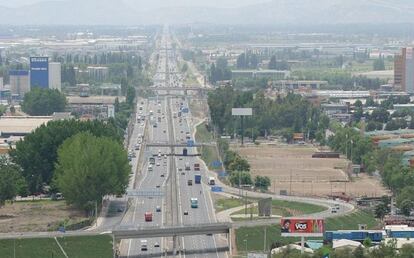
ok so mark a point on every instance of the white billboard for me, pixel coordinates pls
(242, 111)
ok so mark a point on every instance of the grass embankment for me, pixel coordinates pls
(222, 204)
(255, 235)
(208, 153)
(287, 208)
(79, 247)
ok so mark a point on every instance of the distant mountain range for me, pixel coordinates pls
(132, 12)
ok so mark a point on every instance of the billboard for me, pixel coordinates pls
(39, 72)
(241, 111)
(296, 227)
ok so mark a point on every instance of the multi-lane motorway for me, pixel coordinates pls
(162, 189)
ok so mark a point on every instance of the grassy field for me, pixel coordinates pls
(79, 247)
(208, 153)
(255, 236)
(286, 208)
(222, 204)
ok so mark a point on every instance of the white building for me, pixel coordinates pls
(19, 82)
(55, 76)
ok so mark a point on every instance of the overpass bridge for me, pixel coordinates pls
(178, 145)
(168, 90)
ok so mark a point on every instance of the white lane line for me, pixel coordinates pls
(61, 248)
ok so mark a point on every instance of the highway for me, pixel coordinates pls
(162, 187)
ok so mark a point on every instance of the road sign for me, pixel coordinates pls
(190, 143)
(216, 189)
(241, 111)
(216, 163)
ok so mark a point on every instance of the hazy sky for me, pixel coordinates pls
(153, 3)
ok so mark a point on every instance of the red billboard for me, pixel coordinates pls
(302, 227)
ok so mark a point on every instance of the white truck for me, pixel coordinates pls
(211, 181)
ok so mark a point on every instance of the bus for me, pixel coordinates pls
(194, 202)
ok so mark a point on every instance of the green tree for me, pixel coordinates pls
(379, 65)
(272, 63)
(2, 109)
(239, 164)
(41, 102)
(242, 177)
(90, 167)
(37, 154)
(130, 97)
(405, 200)
(11, 180)
(262, 182)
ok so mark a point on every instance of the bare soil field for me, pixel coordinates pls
(42, 215)
(291, 168)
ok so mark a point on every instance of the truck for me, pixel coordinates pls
(197, 179)
(187, 166)
(148, 216)
(196, 167)
(152, 161)
(194, 203)
(211, 181)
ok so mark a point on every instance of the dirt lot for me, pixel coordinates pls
(292, 168)
(40, 215)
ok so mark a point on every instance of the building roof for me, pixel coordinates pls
(291, 247)
(93, 100)
(345, 243)
(21, 125)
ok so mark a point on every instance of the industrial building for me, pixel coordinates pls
(404, 70)
(55, 76)
(257, 74)
(39, 72)
(19, 82)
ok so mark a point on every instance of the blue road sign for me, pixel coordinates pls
(216, 189)
(216, 163)
(190, 143)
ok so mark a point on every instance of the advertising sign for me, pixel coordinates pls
(241, 111)
(39, 72)
(296, 227)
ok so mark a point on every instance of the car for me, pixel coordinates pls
(165, 156)
(158, 164)
(333, 211)
(162, 175)
(136, 146)
(185, 212)
(157, 186)
(180, 169)
(158, 209)
(180, 158)
(183, 173)
(156, 244)
(164, 131)
(119, 209)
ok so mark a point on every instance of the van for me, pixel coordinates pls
(144, 245)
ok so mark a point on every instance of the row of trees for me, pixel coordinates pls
(247, 61)
(269, 116)
(396, 176)
(219, 71)
(37, 154)
(239, 169)
(278, 65)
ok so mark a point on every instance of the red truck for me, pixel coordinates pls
(196, 167)
(148, 216)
